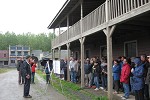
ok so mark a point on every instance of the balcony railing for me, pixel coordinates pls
(116, 8)
(95, 18)
(120, 7)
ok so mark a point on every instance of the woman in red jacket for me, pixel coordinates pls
(33, 73)
(124, 78)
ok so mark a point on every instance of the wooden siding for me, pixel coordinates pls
(142, 39)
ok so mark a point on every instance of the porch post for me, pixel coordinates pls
(108, 31)
(59, 53)
(52, 54)
(68, 27)
(82, 61)
(68, 60)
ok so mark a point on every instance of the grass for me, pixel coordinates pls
(3, 70)
(70, 90)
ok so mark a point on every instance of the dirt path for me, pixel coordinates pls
(11, 90)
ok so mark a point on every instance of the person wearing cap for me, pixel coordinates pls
(138, 79)
(27, 73)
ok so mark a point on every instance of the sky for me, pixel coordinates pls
(23, 16)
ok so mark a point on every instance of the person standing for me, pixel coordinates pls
(27, 73)
(33, 73)
(148, 73)
(20, 71)
(146, 86)
(138, 79)
(125, 76)
(116, 76)
(47, 72)
(73, 68)
(87, 72)
(96, 72)
(104, 73)
(65, 69)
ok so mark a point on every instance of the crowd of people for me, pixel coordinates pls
(130, 75)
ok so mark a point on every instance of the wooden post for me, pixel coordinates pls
(59, 53)
(109, 31)
(82, 61)
(68, 27)
(82, 47)
(68, 60)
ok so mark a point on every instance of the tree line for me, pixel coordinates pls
(40, 41)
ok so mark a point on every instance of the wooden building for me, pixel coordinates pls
(108, 28)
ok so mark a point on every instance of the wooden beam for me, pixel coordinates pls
(112, 30)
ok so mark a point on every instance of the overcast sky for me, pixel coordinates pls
(22, 16)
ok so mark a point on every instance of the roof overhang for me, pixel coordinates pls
(72, 9)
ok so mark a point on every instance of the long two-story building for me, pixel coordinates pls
(109, 28)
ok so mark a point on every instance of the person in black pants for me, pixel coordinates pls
(27, 73)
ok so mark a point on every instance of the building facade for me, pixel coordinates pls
(4, 58)
(16, 52)
(109, 28)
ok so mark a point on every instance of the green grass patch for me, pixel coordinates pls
(69, 89)
(3, 70)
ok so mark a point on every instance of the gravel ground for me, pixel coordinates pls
(11, 90)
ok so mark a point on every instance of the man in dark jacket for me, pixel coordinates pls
(27, 73)
(146, 86)
(20, 71)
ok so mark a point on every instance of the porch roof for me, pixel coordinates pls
(72, 8)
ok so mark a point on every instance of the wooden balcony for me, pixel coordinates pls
(107, 14)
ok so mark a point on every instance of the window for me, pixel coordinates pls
(5, 62)
(12, 48)
(12, 53)
(12, 61)
(19, 48)
(19, 53)
(87, 54)
(25, 53)
(25, 48)
(4, 55)
(131, 49)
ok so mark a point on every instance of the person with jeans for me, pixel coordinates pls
(104, 73)
(33, 73)
(125, 76)
(96, 72)
(87, 72)
(73, 66)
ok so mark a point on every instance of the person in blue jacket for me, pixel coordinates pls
(138, 79)
(116, 76)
